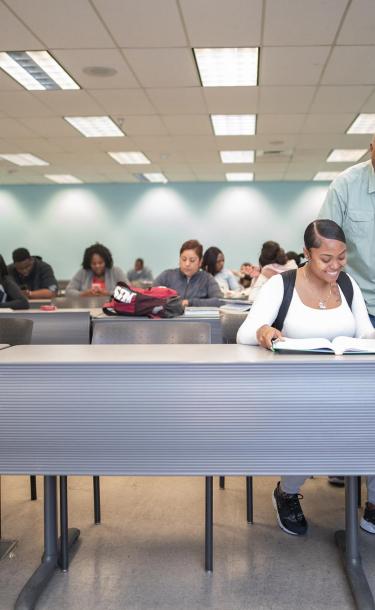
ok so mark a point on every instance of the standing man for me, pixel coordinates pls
(35, 277)
(350, 202)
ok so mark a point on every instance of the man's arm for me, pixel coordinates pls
(48, 287)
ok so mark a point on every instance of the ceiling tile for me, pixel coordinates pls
(14, 35)
(49, 127)
(123, 101)
(11, 128)
(9, 84)
(302, 22)
(74, 61)
(369, 105)
(163, 67)
(69, 103)
(285, 99)
(186, 100)
(285, 123)
(327, 123)
(231, 100)
(340, 99)
(141, 23)
(219, 23)
(350, 65)
(188, 124)
(36, 146)
(144, 125)
(289, 66)
(67, 24)
(22, 104)
(359, 24)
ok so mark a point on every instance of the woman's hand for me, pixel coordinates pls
(266, 334)
(185, 303)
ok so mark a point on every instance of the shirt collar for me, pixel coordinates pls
(371, 180)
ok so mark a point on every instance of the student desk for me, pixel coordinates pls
(292, 415)
(3, 345)
(213, 321)
(63, 326)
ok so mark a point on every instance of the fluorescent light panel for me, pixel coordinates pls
(95, 126)
(236, 67)
(237, 156)
(24, 159)
(155, 177)
(129, 158)
(346, 154)
(36, 70)
(326, 176)
(63, 178)
(364, 123)
(240, 177)
(233, 124)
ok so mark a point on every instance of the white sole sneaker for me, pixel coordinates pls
(279, 520)
(367, 526)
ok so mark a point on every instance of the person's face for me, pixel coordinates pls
(189, 262)
(328, 260)
(246, 269)
(138, 266)
(219, 262)
(25, 267)
(97, 265)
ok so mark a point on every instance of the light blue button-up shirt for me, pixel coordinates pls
(350, 202)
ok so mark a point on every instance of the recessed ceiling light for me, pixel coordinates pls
(240, 177)
(236, 67)
(155, 177)
(326, 176)
(63, 178)
(130, 158)
(233, 124)
(346, 154)
(237, 156)
(24, 159)
(364, 123)
(36, 70)
(95, 126)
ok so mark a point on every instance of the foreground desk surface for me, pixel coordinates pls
(192, 409)
(63, 326)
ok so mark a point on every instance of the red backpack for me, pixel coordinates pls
(157, 302)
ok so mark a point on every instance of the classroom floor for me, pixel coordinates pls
(148, 552)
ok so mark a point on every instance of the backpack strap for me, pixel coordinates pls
(346, 286)
(289, 280)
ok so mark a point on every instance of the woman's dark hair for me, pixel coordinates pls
(192, 244)
(209, 259)
(101, 251)
(328, 229)
(3, 268)
(293, 256)
(272, 253)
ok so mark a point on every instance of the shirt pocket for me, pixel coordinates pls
(359, 223)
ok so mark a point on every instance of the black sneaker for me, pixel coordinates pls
(289, 512)
(367, 522)
(336, 481)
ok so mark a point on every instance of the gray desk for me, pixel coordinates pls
(63, 326)
(214, 322)
(3, 345)
(185, 421)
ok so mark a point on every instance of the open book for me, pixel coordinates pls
(339, 345)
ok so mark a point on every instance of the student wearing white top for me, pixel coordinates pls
(318, 308)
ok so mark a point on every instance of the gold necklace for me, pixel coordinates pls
(321, 302)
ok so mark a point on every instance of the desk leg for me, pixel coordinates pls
(42, 575)
(347, 541)
(209, 525)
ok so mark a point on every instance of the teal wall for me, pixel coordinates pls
(151, 221)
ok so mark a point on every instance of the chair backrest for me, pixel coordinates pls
(79, 302)
(16, 331)
(231, 320)
(150, 331)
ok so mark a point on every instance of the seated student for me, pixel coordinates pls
(139, 272)
(213, 263)
(98, 276)
(196, 287)
(10, 295)
(272, 260)
(35, 277)
(318, 308)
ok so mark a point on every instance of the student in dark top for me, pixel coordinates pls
(10, 295)
(196, 287)
(35, 277)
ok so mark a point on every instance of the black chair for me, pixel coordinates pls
(15, 331)
(230, 320)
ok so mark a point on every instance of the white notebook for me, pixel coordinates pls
(339, 345)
